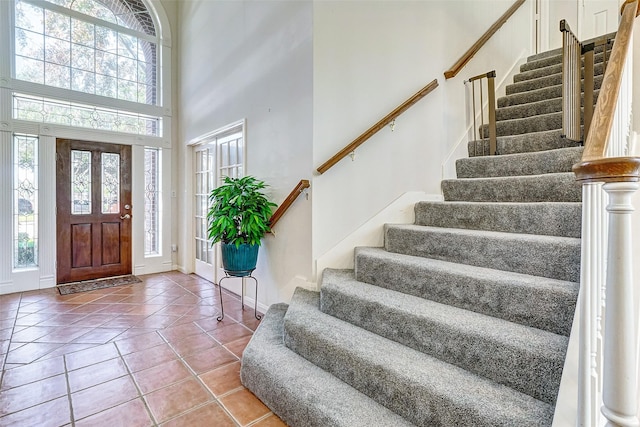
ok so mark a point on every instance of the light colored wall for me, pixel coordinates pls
(368, 58)
(251, 60)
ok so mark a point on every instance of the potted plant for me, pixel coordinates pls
(238, 217)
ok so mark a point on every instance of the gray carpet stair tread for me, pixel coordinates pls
(546, 256)
(524, 143)
(552, 69)
(544, 218)
(534, 301)
(540, 94)
(526, 359)
(532, 109)
(545, 61)
(551, 187)
(534, 163)
(298, 391)
(423, 389)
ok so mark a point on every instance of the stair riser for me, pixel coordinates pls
(555, 258)
(306, 395)
(536, 163)
(560, 187)
(415, 394)
(529, 372)
(548, 219)
(532, 301)
(524, 143)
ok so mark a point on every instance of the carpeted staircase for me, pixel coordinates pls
(462, 319)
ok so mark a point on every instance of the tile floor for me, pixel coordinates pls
(148, 354)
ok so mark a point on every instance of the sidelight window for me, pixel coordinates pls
(25, 201)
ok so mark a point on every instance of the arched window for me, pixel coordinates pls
(87, 63)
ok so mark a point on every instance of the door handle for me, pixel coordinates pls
(125, 216)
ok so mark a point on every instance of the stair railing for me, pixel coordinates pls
(571, 70)
(490, 130)
(284, 206)
(575, 55)
(608, 359)
(389, 119)
(460, 63)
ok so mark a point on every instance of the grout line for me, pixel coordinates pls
(135, 384)
(66, 376)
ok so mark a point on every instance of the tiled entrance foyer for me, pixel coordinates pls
(146, 354)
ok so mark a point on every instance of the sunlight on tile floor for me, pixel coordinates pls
(146, 354)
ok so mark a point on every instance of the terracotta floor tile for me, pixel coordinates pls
(194, 343)
(32, 372)
(230, 333)
(161, 376)
(62, 335)
(117, 308)
(107, 299)
(6, 333)
(147, 309)
(208, 415)
(7, 323)
(134, 332)
(96, 374)
(270, 421)
(158, 321)
(223, 380)
(86, 309)
(4, 346)
(83, 297)
(209, 359)
(66, 349)
(91, 356)
(64, 319)
(141, 342)
(100, 336)
(176, 310)
(50, 414)
(33, 319)
(129, 414)
(95, 320)
(35, 393)
(213, 323)
(104, 396)
(30, 352)
(176, 333)
(124, 321)
(237, 347)
(149, 358)
(170, 401)
(189, 300)
(31, 334)
(58, 308)
(244, 406)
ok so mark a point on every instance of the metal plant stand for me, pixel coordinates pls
(244, 276)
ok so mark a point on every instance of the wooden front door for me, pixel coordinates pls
(93, 208)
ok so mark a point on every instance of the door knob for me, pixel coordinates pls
(125, 216)
(127, 207)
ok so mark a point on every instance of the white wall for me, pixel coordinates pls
(368, 58)
(252, 60)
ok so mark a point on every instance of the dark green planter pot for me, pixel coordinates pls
(239, 261)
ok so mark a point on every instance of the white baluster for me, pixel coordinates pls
(589, 387)
(620, 397)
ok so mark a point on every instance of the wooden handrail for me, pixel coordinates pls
(455, 69)
(302, 185)
(594, 166)
(375, 128)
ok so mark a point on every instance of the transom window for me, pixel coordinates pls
(103, 48)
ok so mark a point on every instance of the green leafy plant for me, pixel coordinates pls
(239, 211)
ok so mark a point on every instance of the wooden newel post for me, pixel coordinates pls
(620, 395)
